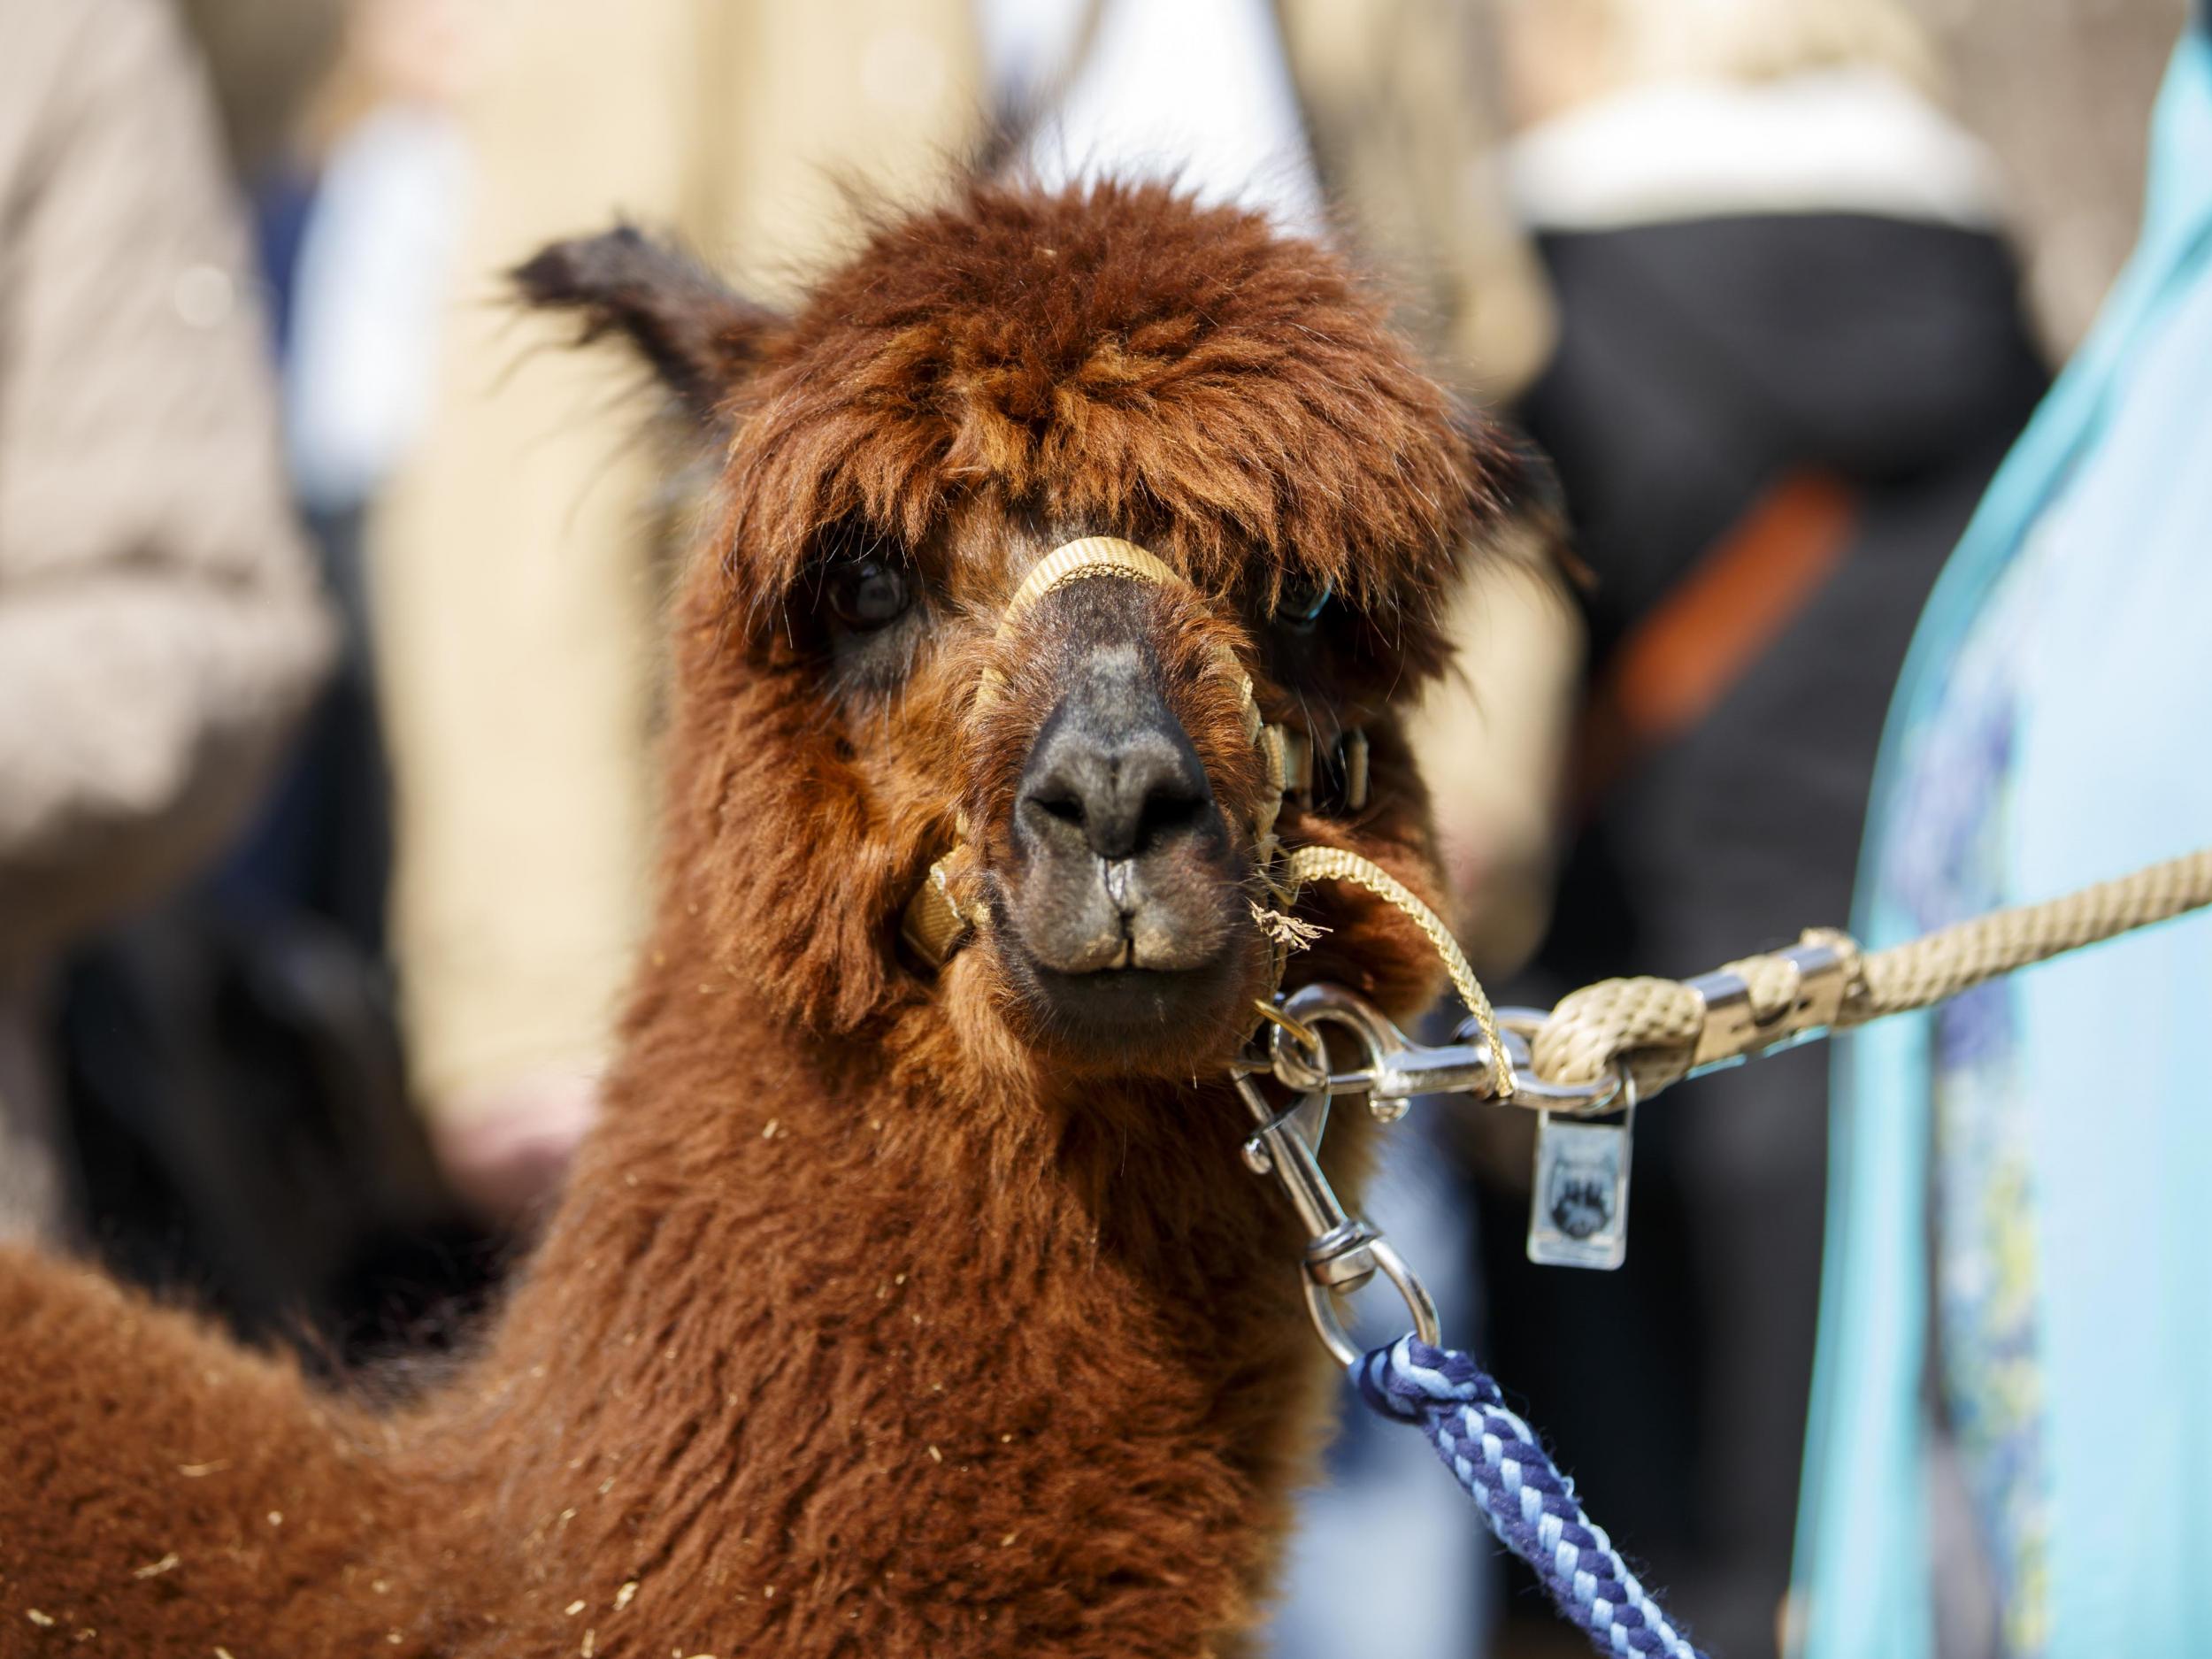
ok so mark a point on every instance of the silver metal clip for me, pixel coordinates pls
(1343, 1251)
(1582, 1140)
(1391, 1070)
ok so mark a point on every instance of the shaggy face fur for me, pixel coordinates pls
(986, 382)
(888, 1313)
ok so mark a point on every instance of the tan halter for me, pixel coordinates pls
(935, 926)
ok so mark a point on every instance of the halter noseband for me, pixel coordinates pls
(935, 926)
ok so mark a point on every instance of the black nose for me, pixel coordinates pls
(1123, 904)
(1114, 767)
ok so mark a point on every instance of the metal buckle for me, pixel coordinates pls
(1733, 1032)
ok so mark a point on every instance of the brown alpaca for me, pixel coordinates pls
(889, 1312)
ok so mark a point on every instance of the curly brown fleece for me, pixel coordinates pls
(864, 1328)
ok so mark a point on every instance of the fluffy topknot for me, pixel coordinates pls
(1111, 357)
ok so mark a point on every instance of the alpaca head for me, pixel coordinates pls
(979, 386)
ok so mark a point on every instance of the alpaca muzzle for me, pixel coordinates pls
(1111, 779)
(1120, 856)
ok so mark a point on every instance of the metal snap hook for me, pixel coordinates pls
(1392, 1069)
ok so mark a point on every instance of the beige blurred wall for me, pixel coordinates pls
(2061, 89)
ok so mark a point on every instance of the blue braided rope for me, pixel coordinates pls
(1529, 1504)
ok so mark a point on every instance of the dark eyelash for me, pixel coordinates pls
(844, 541)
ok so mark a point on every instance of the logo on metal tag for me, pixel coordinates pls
(1578, 1199)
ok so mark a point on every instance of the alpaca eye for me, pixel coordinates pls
(868, 594)
(1302, 603)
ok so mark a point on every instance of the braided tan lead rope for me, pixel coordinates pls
(1665, 1028)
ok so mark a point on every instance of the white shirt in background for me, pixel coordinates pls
(375, 267)
(1196, 91)
(1848, 140)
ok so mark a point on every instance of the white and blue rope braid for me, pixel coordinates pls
(1529, 1504)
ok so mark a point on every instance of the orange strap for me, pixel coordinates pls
(1719, 620)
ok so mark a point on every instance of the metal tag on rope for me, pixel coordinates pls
(1613, 1045)
(1578, 1203)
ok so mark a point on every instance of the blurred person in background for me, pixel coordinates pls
(2009, 1445)
(1790, 349)
(227, 1056)
(159, 623)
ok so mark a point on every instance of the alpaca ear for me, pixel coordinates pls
(702, 340)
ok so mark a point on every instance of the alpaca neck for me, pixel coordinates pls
(872, 1348)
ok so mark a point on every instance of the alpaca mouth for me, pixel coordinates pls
(1129, 1018)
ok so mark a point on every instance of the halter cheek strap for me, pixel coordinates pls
(935, 924)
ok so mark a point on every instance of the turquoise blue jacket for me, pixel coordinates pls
(2113, 771)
